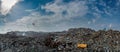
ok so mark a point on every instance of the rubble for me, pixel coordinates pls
(66, 41)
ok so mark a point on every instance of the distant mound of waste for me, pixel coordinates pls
(73, 40)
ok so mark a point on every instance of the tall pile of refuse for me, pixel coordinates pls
(73, 40)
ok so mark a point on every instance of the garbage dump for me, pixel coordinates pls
(73, 40)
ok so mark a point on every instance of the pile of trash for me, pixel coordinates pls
(73, 40)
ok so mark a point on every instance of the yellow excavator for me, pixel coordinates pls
(82, 45)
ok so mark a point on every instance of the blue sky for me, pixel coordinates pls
(59, 15)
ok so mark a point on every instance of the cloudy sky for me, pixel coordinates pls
(58, 15)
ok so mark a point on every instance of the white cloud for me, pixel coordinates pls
(110, 25)
(6, 6)
(89, 22)
(37, 22)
